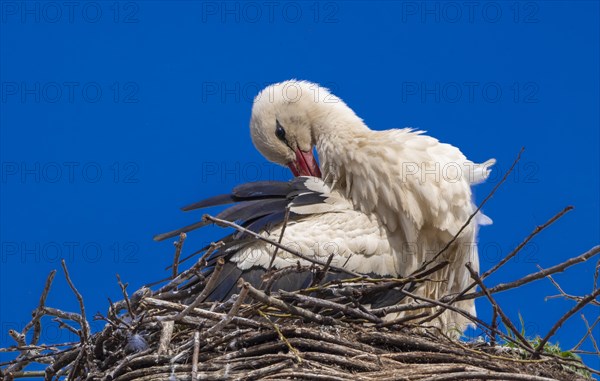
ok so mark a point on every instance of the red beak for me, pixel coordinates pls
(305, 164)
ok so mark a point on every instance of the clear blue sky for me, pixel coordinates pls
(114, 114)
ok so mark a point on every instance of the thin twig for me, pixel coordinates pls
(62, 324)
(282, 337)
(195, 355)
(269, 300)
(125, 296)
(516, 250)
(318, 302)
(497, 308)
(210, 285)
(538, 229)
(323, 273)
(596, 273)
(285, 222)
(584, 301)
(403, 320)
(232, 312)
(185, 275)
(38, 313)
(178, 247)
(200, 312)
(589, 332)
(494, 326)
(85, 328)
(532, 277)
(112, 315)
(468, 316)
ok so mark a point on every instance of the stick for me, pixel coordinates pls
(195, 355)
(38, 313)
(165, 336)
(232, 312)
(467, 315)
(185, 275)
(285, 222)
(497, 308)
(281, 336)
(269, 300)
(584, 301)
(535, 276)
(178, 247)
(125, 296)
(535, 232)
(210, 285)
(198, 312)
(318, 302)
(85, 328)
(589, 332)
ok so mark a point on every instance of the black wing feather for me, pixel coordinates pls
(261, 189)
(174, 233)
(265, 223)
(250, 210)
(222, 199)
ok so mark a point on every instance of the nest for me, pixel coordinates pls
(320, 333)
(165, 334)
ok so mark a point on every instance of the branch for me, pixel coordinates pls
(232, 312)
(584, 301)
(210, 285)
(533, 277)
(38, 312)
(195, 355)
(535, 232)
(269, 300)
(85, 328)
(125, 296)
(497, 308)
(178, 246)
(285, 222)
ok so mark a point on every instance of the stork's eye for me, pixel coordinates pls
(279, 132)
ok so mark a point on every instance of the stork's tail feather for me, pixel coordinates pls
(480, 172)
(482, 219)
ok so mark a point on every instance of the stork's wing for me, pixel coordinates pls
(321, 225)
(255, 200)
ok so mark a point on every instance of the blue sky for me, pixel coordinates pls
(115, 114)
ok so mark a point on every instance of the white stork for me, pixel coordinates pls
(383, 202)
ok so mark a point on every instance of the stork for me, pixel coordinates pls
(380, 203)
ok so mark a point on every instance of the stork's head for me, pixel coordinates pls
(282, 124)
